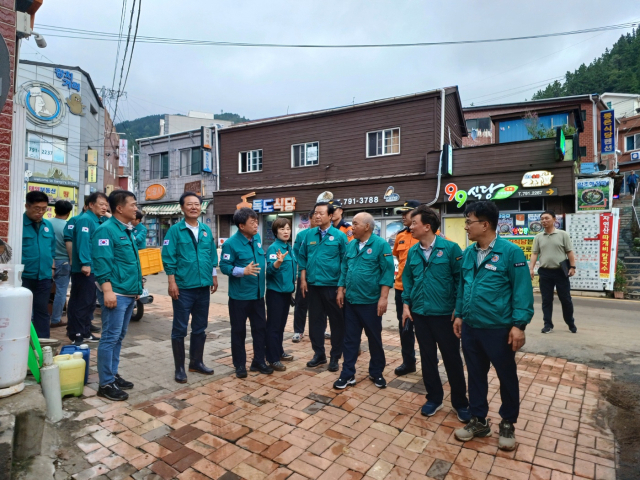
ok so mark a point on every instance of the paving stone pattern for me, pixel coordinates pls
(293, 425)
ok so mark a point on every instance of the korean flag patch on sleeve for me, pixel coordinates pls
(226, 256)
(85, 229)
(70, 227)
(166, 242)
(103, 242)
(273, 256)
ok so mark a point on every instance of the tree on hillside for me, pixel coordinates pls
(616, 70)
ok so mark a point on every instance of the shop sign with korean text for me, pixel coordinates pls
(54, 192)
(92, 174)
(594, 195)
(273, 205)
(494, 191)
(195, 187)
(607, 132)
(123, 153)
(606, 234)
(207, 161)
(92, 157)
(538, 178)
(155, 192)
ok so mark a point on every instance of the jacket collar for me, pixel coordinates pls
(243, 239)
(26, 220)
(342, 224)
(121, 226)
(91, 214)
(183, 225)
(278, 243)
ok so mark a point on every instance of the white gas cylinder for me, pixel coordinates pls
(15, 330)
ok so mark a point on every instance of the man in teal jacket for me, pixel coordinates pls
(320, 264)
(116, 267)
(82, 300)
(140, 231)
(243, 260)
(494, 305)
(38, 253)
(365, 279)
(430, 281)
(301, 306)
(190, 258)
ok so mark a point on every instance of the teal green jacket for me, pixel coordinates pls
(430, 288)
(83, 231)
(281, 279)
(38, 248)
(238, 252)
(497, 293)
(68, 229)
(321, 258)
(298, 243)
(364, 271)
(140, 232)
(115, 258)
(191, 262)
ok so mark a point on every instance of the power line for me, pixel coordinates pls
(107, 36)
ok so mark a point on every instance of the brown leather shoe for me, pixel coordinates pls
(278, 366)
(59, 324)
(286, 357)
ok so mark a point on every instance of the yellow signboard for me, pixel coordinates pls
(50, 213)
(54, 192)
(92, 176)
(92, 157)
(524, 242)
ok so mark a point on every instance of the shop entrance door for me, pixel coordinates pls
(454, 230)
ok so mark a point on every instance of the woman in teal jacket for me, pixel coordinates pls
(281, 283)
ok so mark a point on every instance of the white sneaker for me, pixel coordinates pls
(297, 337)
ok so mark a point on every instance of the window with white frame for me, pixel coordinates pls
(305, 154)
(190, 161)
(383, 142)
(632, 142)
(159, 166)
(250, 161)
(46, 148)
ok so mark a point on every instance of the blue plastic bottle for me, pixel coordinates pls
(86, 354)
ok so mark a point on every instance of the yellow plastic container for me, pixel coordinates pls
(150, 261)
(71, 373)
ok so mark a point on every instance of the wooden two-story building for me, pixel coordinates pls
(375, 156)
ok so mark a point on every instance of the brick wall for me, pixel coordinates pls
(8, 31)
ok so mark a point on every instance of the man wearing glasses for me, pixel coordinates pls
(494, 305)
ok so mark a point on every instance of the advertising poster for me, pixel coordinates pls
(525, 243)
(505, 224)
(123, 153)
(594, 195)
(595, 245)
(524, 223)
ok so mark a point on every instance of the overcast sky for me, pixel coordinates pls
(262, 82)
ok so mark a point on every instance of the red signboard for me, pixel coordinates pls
(606, 241)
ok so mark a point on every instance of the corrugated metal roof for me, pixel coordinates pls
(169, 208)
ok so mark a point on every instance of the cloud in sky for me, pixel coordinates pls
(262, 82)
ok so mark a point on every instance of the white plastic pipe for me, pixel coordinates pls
(442, 111)
(50, 380)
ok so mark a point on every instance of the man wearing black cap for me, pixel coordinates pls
(337, 220)
(404, 241)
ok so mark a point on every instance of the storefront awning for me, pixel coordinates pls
(169, 208)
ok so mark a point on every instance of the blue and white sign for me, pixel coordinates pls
(587, 167)
(67, 79)
(607, 132)
(207, 162)
(43, 103)
(635, 155)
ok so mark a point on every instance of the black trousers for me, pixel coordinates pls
(550, 278)
(239, 311)
(632, 188)
(82, 304)
(41, 290)
(322, 304)
(278, 304)
(299, 311)
(407, 340)
(483, 347)
(356, 319)
(433, 332)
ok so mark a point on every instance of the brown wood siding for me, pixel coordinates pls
(452, 121)
(342, 139)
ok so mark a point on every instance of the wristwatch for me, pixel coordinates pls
(521, 326)
(571, 266)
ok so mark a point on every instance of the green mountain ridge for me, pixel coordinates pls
(615, 71)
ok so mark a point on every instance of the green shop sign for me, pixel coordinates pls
(498, 191)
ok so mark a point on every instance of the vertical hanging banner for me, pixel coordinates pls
(92, 157)
(207, 161)
(124, 153)
(92, 175)
(606, 231)
(607, 132)
(205, 135)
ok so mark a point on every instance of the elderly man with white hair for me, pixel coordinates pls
(363, 288)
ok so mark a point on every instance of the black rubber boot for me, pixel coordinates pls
(178, 358)
(196, 350)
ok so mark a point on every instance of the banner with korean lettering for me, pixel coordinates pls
(274, 205)
(606, 234)
(123, 160)
(607, 132)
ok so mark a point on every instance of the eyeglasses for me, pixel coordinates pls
(38, 209)
(469, 222)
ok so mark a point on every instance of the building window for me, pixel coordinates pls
(159, 166)
(583, 151)
(383, 142)
(609, 105)
(305, 154)
(190, 161)
(46, 148)
(479, 124)
(93, 111)
(250, 161)
(196, 161)
(583, 115)
(632, 142)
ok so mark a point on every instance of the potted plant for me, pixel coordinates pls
(620, 283)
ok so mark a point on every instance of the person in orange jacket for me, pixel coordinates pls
(338, 221)
(404, 241)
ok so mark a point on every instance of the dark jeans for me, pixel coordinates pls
(433, 332)
(299, 311)
(632, 188)
(82, 304)
(357, 318)
(322, 304)
(483, 347)
(407, 340)
(41, 290)
(239, 311)
(278, 304)
(550, 278)
(194, 302)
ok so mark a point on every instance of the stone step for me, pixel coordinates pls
(7, 428)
